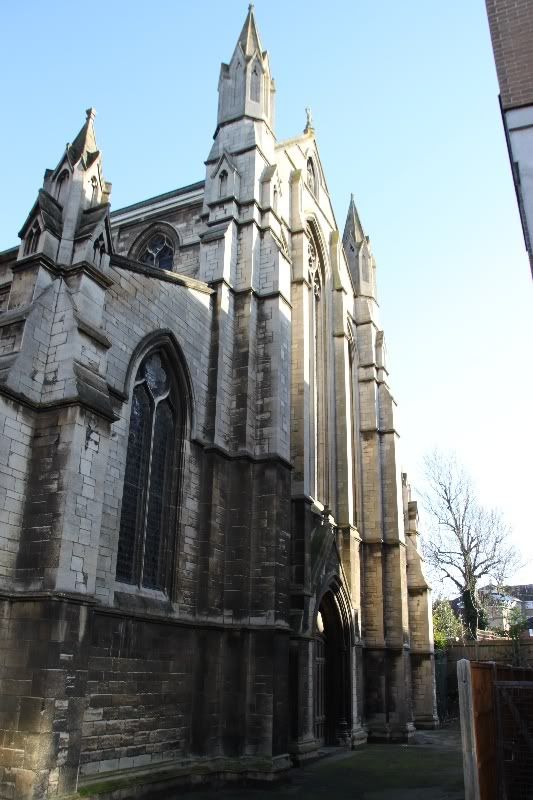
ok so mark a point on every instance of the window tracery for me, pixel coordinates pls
(148, 500)
(158, 252)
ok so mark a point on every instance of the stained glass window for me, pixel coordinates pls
(158, 252)
(147, 500)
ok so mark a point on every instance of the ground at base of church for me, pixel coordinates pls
(430, 768)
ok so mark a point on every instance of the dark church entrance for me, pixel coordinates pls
(331, 675)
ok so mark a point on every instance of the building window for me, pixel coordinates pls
(353, 415)
(311, 176)
(4, 298)
(61, 187)
(223, 183)
(159, 252)
(94, 190)
(255, 84)
(149, 496)
(32, 239)
(317, 370)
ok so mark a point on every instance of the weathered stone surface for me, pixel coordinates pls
(290, 607)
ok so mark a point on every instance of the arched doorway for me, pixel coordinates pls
(331, 674)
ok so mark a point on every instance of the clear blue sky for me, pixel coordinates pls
(405, 104)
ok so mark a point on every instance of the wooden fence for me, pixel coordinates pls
(486, 771)
(504, 651)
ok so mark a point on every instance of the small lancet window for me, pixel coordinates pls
(149, 496)
(366, 275)
(311, 176)
(255, 84)
(94, 190)
(223, 183)
(159, 252)
(32, 239)
(61, 187)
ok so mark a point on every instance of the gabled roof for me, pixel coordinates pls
(90, 218)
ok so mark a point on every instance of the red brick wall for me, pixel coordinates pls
(511, 29)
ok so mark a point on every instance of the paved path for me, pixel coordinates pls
(428, 769)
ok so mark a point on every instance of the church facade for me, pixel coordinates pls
(209, 557)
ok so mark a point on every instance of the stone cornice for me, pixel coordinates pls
(121, 262)
(53, 405)
(242, 454)
(63, 270)
(250, 290)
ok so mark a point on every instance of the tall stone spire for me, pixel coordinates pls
(246, 88)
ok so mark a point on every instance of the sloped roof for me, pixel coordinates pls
(51, 213)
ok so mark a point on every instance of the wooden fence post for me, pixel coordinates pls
(468, 733)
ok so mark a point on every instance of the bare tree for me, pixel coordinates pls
(466, 541)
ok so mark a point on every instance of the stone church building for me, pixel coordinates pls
(209, 557)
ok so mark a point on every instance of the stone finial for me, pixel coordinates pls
(91, 113)
(309, 127)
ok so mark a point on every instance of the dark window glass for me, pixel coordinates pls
(159, 252)
(148, 497)
(134, 484)
(159, 478)
(32, 240)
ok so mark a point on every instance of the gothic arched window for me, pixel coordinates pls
(223, 183)
(317, 369)
(353, 406)
(32, 239)
(158, 252)
(149, 496)
(255, 84)
(311, 176)
(61, 187)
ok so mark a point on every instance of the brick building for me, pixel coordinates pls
(208, 555)
(511, 30)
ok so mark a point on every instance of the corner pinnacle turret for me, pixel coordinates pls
(245, 87)
(70, 219)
